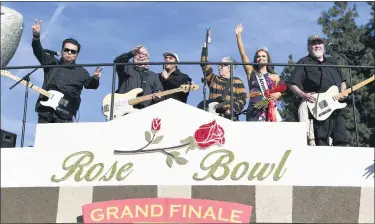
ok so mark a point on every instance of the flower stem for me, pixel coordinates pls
(141, 151)
(149, 143)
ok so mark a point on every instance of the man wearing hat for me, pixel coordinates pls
(306, 81)
(171, 77)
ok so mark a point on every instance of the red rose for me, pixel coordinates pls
(156, 123)
(209, 134)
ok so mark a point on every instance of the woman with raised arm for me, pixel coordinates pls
(262, 79)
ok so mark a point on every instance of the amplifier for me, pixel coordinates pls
(7, 139)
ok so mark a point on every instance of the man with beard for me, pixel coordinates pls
(138, 76)
(306, 81)
(171, 77)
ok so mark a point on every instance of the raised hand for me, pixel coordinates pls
(209, 37)
(36, 28)
(137, 49)
(97, 71)
(239, 29)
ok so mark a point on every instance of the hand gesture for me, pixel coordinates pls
(156, 96)
(36, 28)
(97, 71)
(239, 29)
(209, 37)
(274, 96)
(137, 49)
(165, 74)
(309, 97)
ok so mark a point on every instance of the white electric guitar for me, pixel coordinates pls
(123, 103)
(328, 102)
(56, 100)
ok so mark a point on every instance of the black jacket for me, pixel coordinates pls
(67, 80)
(131, 77)
(175, 80)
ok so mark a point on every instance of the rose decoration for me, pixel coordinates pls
(156, 124)
(206, 136)
(209, 134)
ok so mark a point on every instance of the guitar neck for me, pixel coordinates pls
(31, 86)
(358, 86)
(149, 97)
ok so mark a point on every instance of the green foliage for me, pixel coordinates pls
(289, 102)
(356, 47)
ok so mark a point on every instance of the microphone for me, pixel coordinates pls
(52, 53)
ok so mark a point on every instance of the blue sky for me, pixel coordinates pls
(105, 30)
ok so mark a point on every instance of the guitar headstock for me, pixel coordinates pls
(188, 87)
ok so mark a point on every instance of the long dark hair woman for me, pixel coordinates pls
(262, 79)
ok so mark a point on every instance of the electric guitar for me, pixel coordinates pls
(123, 103)
(213, 105)
(328, 102)
(62, 105)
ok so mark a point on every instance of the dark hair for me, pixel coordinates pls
(72, 41)
(270, 68)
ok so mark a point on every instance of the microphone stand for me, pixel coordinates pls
(204, 80)
(334, 50)
(27, 79)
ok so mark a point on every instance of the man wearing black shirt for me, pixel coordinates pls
(308, 80)
(171, 77)
(67, 80)
(138, 76)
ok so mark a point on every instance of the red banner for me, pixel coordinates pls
(166, 210)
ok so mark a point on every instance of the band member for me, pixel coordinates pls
(138, 76)
(260, 78)
(171, 77)
(67, 80)
(219, 85)
(308, 80)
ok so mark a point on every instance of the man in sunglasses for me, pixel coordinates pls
(66, 80)
(138, 76)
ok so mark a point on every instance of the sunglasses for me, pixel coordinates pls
(67, 50)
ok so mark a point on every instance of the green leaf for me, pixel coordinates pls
(169, 161)
(148, 136)
(181, 160)
(187, 140)
(158, 139)
(175, 153)
(191, 147)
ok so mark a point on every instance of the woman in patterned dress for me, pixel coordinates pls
(257, 74)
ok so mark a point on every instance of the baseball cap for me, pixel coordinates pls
(314, 38)
(170, 53)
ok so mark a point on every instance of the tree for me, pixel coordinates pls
(289, 101)
(355, 47)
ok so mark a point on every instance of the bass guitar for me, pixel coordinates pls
(123, 103)
(63, 105)
(326, 103)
